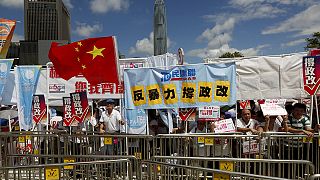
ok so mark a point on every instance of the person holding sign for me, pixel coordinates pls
(247, 125)
(275, 123)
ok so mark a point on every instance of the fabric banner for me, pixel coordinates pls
(79, 106)
(311, 74)
(67, 112)
(180, 86)
(6, 32)
(39, 109)
(137, 121)
(26, 81)
(5, 66)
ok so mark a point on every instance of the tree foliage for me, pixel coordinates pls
(231, 55)
(313, 42)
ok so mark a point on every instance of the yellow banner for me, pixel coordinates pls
(6, 32)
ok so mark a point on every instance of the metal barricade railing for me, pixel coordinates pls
(27, 143)
(104, 169)
(288, 146)
(264, 167)
(208, 145)
(162, 170)
(315, 176)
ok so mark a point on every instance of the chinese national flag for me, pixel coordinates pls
(95, 58)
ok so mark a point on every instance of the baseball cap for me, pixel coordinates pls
(110, 101)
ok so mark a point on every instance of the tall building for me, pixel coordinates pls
(46, 20)
(160, 28)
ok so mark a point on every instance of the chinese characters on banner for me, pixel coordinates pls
(59, 87)
(79, 106)
(182, 86)
(67, 112)
(39, 109)
(311, 74)
(209, 113)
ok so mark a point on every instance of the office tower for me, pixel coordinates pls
(46, 20)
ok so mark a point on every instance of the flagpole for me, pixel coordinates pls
(47, 96)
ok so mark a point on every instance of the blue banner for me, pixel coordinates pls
(5, 66)
(137, 121)
(181, 86)
(26, 81)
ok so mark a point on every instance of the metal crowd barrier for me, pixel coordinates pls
(32, 148)
(162, 170)
(264, 167)
(105, 169)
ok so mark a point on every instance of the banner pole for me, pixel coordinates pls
(317, 110)
(311, 109)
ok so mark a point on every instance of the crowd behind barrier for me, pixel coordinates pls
(37, 148)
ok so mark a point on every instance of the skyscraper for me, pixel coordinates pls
(46, 20)
(160, 28)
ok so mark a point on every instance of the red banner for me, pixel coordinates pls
(187, 114)
(39, 109)
(311, 74)
(79, 106)
(67, 112)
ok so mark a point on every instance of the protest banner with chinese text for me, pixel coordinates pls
(311, 74)
(67, 111)
(39, 109)
(79, 106)
(182, 86)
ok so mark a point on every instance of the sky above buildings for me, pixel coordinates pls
(203, 28)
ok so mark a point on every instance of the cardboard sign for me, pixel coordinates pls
(225, 125)
(187, 114)
(39, 109)
(273, 109)
(209, 113)
(311, 74)
(252, 147)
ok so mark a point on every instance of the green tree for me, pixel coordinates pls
(314, 41)
(231, 55)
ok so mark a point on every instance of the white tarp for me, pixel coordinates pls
(268, 77)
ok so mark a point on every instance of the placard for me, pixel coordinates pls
(209, 113)
(273, 109)
(225, 125)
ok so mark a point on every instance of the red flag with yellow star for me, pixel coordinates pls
(95, 58)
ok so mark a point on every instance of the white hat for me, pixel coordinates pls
(153, 123)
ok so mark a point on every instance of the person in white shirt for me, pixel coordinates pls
(247, 125)
(111, 119)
